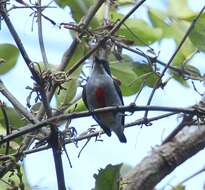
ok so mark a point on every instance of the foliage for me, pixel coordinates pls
(8, 57)
(133, 72)
(108, 178)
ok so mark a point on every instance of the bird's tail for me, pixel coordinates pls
(121, 137)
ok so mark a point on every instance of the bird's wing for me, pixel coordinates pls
(120, 94)
(105, 129)
(84, 96)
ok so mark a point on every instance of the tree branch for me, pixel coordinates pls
(165, 158)
(40, 35)
(131, 108)
(17, 105)
(95, 134)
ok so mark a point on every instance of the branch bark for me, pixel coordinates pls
(165, 158)
(131, 108)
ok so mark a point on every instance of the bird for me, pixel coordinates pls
(101, 90)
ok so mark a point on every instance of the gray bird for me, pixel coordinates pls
(102, 91)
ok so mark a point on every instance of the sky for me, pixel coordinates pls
(39, 166)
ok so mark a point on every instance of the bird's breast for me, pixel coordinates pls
(100, 97)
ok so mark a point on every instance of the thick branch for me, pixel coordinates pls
(164, 159)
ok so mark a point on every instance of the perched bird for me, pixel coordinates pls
(102, 91)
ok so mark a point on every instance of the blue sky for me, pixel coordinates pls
(39, 166)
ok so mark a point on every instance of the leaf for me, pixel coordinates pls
(179, 9)
(146, 74)
(160, 19)
(193, 71)
(197, 35)
(77, 107)
(175, 29)
(15, 119)
(126, 2)
(66, 95)
(179, 187)
(8, 56)
(80, 52)
(136, 30)
(108, 178)
(78, 9)
(122, 69)
(13, 179)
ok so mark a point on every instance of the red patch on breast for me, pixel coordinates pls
(100, 97)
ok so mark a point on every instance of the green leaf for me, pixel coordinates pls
(108, 178)
(13, 146)
(125, 2)
(78, 9)
(15, 119)
(176, 29)
(137, 30)
(160, 19)
(120, 70)
(80, 52)
(197, 35)
(136, 75)
(192, 17)
(179, 9)
(12, 178)
(179, 187)
(193, 71)
(8, 56)
(77, 107)
(65, 96)
(146, 74)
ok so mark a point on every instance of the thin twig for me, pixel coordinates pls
(191, 27)
(66, 153)
(130, 108)
(118, 25)
(24, 54)
(95, 134)
(186, 121)
(155, 59)
(88, 140)
(193, 175)
(85, 23)
(40, 35)
(99, 44)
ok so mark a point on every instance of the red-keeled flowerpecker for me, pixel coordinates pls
(102, 91)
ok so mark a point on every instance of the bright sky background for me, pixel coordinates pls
(96, 155)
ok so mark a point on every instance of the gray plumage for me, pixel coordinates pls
(102, 91)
